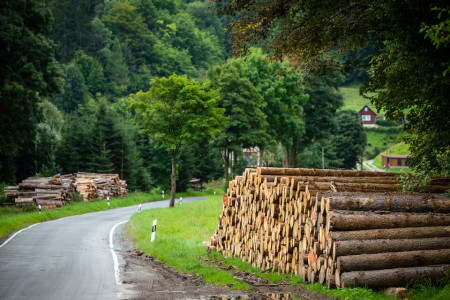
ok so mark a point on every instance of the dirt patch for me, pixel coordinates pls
(146, 278)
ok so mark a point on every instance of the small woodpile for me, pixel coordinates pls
(92, 185)
(345, 228)
(49, 192)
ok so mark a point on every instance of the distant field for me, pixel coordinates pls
(353, 100)
(381, 138)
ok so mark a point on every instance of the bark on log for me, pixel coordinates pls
(391, 277)
(342, 220)
(389, 260)
(354, 247)
(395, 203)
(391, 233)
(321, 172)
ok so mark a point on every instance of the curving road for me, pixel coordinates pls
(69, 258)
(369, 165)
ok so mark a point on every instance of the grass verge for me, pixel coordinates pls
(178, 243)
(13, 219)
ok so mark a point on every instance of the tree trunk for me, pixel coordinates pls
(226, 162)
(391, 277)
(261, 157)
(343, 220)
(354, 247)
(390, 260)
(173, 180)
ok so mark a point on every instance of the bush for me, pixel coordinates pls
(386, 123)
(77, 198)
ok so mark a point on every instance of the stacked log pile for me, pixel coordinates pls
(56, 191)
(49, 192)
(100, 185)
(345, 228)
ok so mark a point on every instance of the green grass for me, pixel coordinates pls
(379, 139)
(353, 100)
(13, 219)
(179, 235)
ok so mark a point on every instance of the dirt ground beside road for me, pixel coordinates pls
(146, 278)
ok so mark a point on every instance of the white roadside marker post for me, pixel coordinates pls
(107, 199)
(181, 200)
(40, 208)
(140, 207)
(214, 193)
(163, 194)
(153, 231)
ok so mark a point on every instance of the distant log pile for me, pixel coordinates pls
(343, 228)
(92, 185)
(56, 191)
(49, 192)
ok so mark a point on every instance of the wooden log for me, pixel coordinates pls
(322, 172)
(394, 202)
(391, 233)
(342, 220)
(354, 247)
(355, 186)
(57, 203)
(391, 277)
(29, 186)
(389, 260)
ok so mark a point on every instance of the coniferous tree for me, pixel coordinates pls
(28, 71)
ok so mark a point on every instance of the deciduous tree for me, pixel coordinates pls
(177, 111)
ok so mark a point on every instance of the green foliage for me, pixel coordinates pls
(386, 123)
(177, 110)
(349, 139)
(241, 101)
(92, 72)
(75, 90)
(48, 138)
(283, 100)
(320, 109)
(72, 30)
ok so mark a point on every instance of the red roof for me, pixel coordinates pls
(362, 109)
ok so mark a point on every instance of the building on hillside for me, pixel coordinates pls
(367, 115)
(394, 161)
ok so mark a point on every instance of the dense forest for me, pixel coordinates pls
(70, 69)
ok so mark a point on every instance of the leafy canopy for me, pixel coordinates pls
(176, 111)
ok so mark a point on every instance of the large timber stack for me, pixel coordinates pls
(343, 228)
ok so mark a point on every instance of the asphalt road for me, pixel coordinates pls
(69, 258)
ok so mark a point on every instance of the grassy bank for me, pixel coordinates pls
(179, 235)
(396, 149)
(13, 219)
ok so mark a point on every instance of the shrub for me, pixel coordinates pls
(386, 123)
